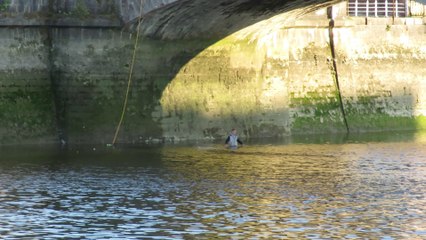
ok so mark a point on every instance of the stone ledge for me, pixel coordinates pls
(60, 22)
(357, 21)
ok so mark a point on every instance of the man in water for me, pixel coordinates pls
(232, 141)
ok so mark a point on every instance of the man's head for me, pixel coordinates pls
(234, 131)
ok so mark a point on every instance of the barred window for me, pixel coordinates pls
(377, 8)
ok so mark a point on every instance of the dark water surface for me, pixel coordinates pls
(356, 189)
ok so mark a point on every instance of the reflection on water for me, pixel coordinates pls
(356, 189)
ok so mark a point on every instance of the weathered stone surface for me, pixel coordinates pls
(26, 104)
(266, 70)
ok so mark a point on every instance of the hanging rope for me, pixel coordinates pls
(129, 82)
(334, 66)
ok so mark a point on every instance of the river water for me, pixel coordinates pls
(351, 188)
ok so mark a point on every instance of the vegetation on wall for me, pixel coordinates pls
(81, 9)
(4, 5)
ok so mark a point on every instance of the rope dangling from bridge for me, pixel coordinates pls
(129, 82)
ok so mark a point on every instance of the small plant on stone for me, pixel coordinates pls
(4, 5)
(388, 28)
(81, 10)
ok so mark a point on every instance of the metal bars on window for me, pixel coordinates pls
(377, 8)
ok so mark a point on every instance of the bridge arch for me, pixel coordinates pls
(211, 27)
(266, 67)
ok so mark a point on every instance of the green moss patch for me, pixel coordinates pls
(26, 112)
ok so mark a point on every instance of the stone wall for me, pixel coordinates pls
(27, 112)
(34, 36)
(383, 77)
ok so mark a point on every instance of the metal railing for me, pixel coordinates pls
(377, 8)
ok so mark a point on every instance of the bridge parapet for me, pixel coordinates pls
(78, 13)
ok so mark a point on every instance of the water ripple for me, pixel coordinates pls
(303, 191)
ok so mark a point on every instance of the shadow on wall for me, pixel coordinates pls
(239, 65)
(216, 74)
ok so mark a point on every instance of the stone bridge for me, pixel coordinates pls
(270, 68)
